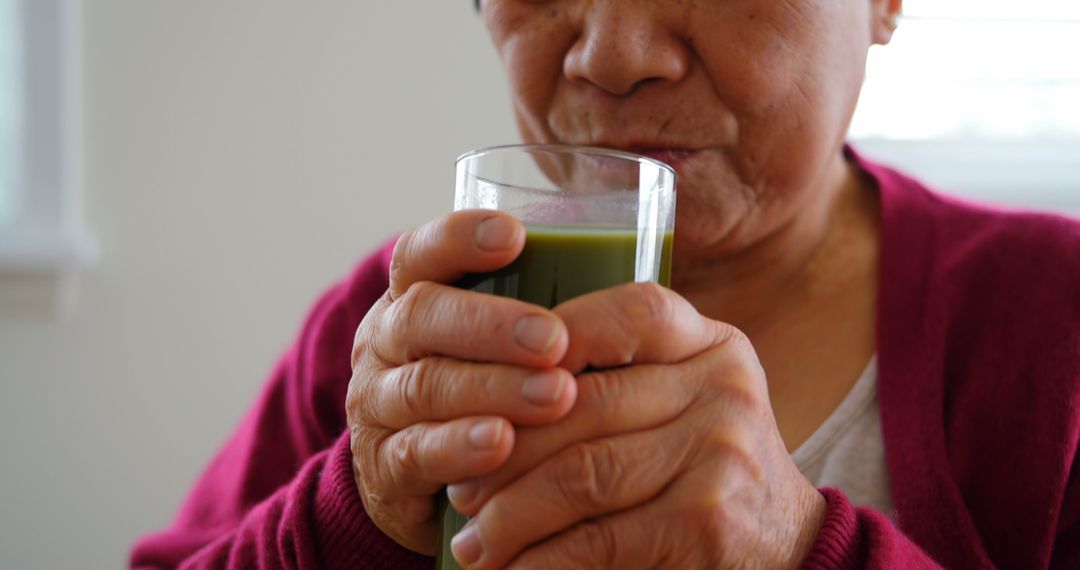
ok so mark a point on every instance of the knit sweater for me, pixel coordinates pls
(979, 390)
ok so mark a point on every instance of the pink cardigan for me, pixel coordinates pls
(979, 390)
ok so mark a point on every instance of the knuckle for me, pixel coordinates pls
(366, 330)
(600, 392)
(721, 442)
(746, 370)
(737, 396)
(733, 455)
(483, 318)
(394, 514)
(362, 398)
(375, 504)
(419, 246)
(359, 348)
(409, 312)
(397, 275)
(713, 525)
(415, 386)
(739, 382)
(736, 337)
(589, 475)
(740, 357)
(365, 444)
(489, 389)
(404, 251)
(365, 350)
(600, 542)
(653, 304)
(747, 357)
(406, 458)
(408, 307)
(355, 398)
(637, 311)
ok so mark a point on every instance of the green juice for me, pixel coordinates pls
(560, 263)
(557, 264)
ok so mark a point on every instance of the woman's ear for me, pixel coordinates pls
(884, 15)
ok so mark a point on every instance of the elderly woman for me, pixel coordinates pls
(848, 371)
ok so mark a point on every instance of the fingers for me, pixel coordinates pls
(433, 319)
(398, 472)
(433, 454)
(714, 515)
(422, 458)
(440, 389)
(445, 249)
(608, 403)
(629, 539)
(421, 316)
(584, 481)
(635, 323)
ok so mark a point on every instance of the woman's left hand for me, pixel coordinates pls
(671, 457)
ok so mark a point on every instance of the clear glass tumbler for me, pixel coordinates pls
(594, 218)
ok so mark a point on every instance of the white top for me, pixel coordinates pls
(848, 452)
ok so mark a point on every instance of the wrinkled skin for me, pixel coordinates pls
(636, 427)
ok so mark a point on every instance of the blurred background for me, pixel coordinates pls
(179, 180)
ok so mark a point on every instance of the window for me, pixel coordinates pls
(40, 129)
(10, 108)
(980, 97)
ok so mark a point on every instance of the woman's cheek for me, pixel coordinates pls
(533, 61)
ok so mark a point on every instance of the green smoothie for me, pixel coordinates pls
(563, 262)
(557, 264)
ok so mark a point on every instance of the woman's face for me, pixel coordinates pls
(748, 99)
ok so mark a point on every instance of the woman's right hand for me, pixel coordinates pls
(441, 375)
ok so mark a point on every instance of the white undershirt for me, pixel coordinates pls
(847, 452)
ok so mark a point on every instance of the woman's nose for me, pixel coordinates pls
(625, 44)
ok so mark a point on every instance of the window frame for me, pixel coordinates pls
(1033, 171)
(48, 232)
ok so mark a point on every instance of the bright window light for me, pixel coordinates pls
(10, 108)
(976, 70)
(41, 214)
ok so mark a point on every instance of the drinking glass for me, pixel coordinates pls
(594, 218)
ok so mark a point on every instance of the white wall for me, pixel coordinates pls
(240, 157)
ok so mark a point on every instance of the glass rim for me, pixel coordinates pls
(567, 149)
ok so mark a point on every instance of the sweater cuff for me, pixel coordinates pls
(347, 538)
(837, 544)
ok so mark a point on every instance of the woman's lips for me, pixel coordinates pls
(670, 156)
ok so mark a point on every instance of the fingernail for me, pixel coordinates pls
(536, 333)
(485, 434)
(463, 493)
(495, 234)
(466, 546)
(544, 388)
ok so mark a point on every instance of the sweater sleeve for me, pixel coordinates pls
(315, 521)
(280, 493)
(1066, 553)
(854, 537)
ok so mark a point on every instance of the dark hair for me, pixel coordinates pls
(477, 5)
